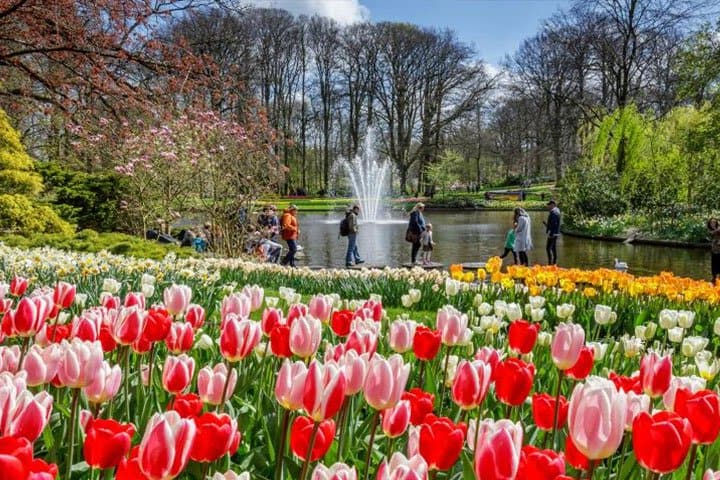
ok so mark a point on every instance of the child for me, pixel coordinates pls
(426, 241)
(510, 244)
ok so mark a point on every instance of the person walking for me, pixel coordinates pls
(416, 227)
(352, 256)
(510, 244)
(426, 240)
(714, 230)
(552, 228)
(523, 238)
(289, 232)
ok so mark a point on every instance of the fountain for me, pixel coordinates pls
(367, 177)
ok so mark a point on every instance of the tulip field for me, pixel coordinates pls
(112, 367)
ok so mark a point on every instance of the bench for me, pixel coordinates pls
(505, 195)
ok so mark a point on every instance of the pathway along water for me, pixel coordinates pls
(478, 235)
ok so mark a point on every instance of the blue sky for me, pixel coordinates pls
(494, 27)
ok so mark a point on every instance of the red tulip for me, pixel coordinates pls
(513, 381)
(106, 339)
(188, 405)
(498, 450)
(655, 374)
(135, 298)
(157, 324)
(165, 447)
(471, 383)
(575, 457)
(15, 457)
(661, 441)
(536, 464)
(177, 373)
(543, 410)
(324, 391)
(340, 322)
(64, 294)
(238, 338)
(421, 403)
(271, 318)
(426, 343)
(106, 442)
(217, 434)
(522, 336)
(702, 409)
(280, 341)
(18, 285)
(128, 325)
(441, 441)
(180, 337)
(109, 301)
(583, 366)
(41, 470)
(129, 468)
(395, 420)
(195, 315)
(300, 434)
(28, 318)
(626, 384)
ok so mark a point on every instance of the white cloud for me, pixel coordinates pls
(344, 12)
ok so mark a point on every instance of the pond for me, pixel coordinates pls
(473, 236)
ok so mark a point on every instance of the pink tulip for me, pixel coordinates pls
(567, 343)
(177, 373)
(305, 336)
(363, 336)
(211, 383)
(355, 367)
(26, 415)
(488, 355)
(271, 317)
(180, 337)
(452, 326)
(396, 420)
(375, 308)
(9, 358)
(109, 301)
(324, 391)
(238, 338)
(105, 386)
(655, 374)
(128, 324)
(290, 385)
(338, 471)
(402, 468)
(80, 362)
(5, 304)
(693, 384)
(385, 381)
(29, 316)
(499, 446)
(237, 304)
(596, 417)
(471, 383)
(87, 325)
(195, 315)
(320, 307)
(18, 285)
(177, 298)
(256, 294)
(402, 333)
(710, 475)
(64, 294)
(136, 299)
(165, 447)
(296, 311)
(636, 404)
(41, 364)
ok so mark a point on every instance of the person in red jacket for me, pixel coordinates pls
(289, 231)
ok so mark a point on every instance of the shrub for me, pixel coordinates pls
(19, 214)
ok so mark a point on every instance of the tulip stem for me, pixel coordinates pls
(591, 469)
(280, 455)
(421, 374)
(206, 468)
(557, 408)
(23, 351)
(308, 454)
(126, 381)
(375, 422)
(71, 432)
(442, 380)
(223, 399)
(691, 462)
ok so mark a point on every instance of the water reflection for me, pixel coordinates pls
(475, 236)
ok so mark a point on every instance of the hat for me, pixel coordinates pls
(552, 202)
(292, 207)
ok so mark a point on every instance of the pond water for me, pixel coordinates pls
(477, 235)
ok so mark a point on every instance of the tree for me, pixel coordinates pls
(446, 171)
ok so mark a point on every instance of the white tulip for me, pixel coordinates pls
(632, 346)
(691, 346)
(667, 319)
(271, 301)
(80, 299)
(147, 279)
(415, 295)
(500, 308)
(599, 350)
(485, 309)
(685, 318)
(650, 330)
(111, 286)
(514, 312)
(716, 327)
(452, 287)
(537, 301)
(708, 366)
(544, 339)
(147, 290)
(675, 334)
(603, 315)
(204, 342)
(565, 310)
(406, 301)
(477, 299)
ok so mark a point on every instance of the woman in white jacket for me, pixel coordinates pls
(523, 238)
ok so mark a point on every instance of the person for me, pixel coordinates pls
(415, 228)
(352, 256)
(552, 228)
(510, 244)
(714, 229)
(289, 231)
(523, 238)
(269, 222)
(426, 240)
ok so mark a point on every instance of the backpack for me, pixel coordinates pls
(344, 227)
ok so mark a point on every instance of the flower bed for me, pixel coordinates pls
(189, 368)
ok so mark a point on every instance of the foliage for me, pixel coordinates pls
(591, 190)
(90, 200)
(22, 215)
(445, 171)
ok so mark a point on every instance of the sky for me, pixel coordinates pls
(494, 28)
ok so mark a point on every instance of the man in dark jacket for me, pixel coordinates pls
(352, 254)
(552, 227)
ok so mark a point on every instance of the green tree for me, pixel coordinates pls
(446, 171)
